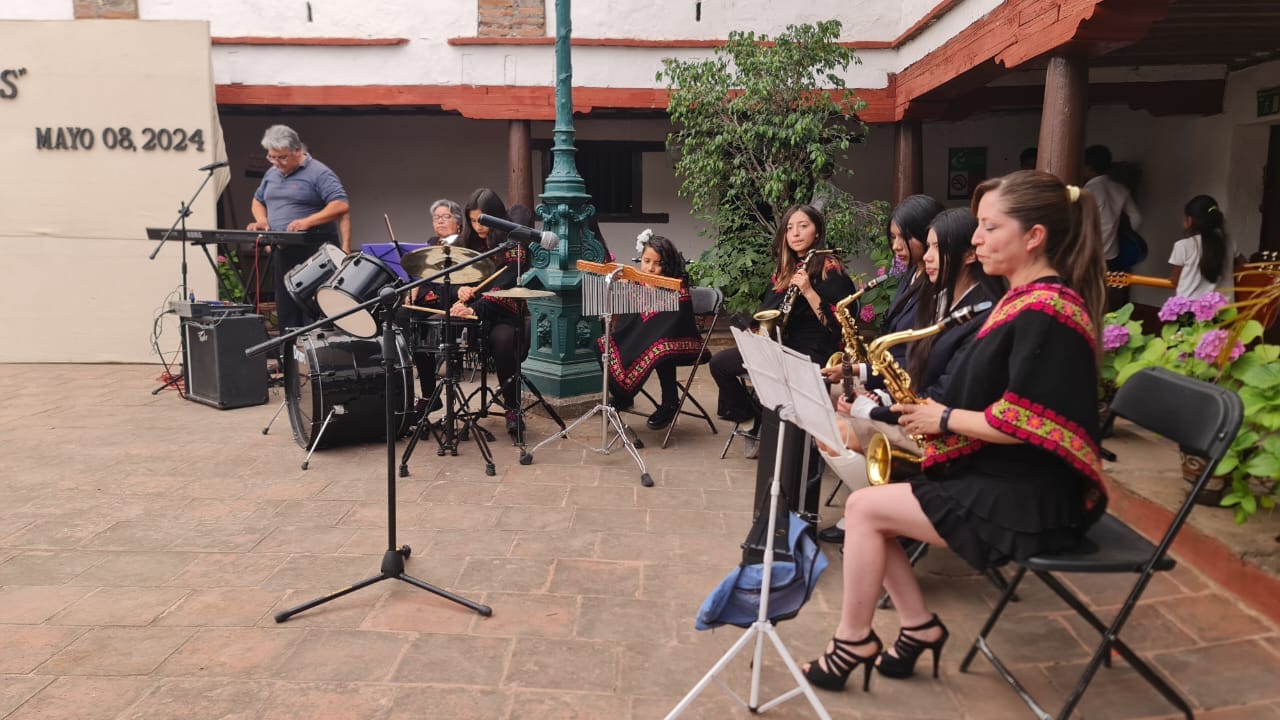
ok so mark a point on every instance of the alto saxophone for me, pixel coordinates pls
(855, 351)
(771, 320)
(879, 451)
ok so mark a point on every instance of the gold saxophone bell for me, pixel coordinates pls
(880, 455)
(837, 358)
(768, 320)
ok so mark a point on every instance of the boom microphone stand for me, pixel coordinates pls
(393, 558)
(184, 211)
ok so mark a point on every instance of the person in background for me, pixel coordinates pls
(1113, 199)
(1199, 262)
(644, 343)
(446, 222)
(297, 194)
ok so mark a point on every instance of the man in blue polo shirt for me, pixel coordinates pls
(298, 193)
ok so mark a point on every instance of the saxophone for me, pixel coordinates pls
(879, 451)
(855, 351)
(776, 320)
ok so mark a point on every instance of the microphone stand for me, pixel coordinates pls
(393, 558)
(184, 211)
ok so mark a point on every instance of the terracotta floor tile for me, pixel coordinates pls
(97, 652)
(119, 606)
(26, 646)
(364, 656)
(570, 665)
(240, 653)
(83, 698)
(455, 660)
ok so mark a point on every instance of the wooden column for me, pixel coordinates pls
(908, 159)
(1066, 98)
(519, 168)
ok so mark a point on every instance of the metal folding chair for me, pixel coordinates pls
(707, 303)
(1203, 419)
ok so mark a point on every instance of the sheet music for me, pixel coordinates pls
(786, 379)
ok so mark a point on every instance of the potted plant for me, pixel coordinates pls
(1208, 338)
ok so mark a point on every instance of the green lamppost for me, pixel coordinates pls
(562, 349)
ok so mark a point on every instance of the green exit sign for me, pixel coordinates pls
(1269, 102)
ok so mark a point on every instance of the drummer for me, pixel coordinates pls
(499, 315)
(298, 193)
(446, 223)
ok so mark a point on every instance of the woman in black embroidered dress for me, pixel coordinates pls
(1012, 465)
(812, 328)
(908, 230)
(499, 315)
(955, 279)
(643, 343)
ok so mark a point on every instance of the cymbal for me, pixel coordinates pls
(430, 260)
(522, 293)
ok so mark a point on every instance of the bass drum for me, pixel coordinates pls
(329, 370)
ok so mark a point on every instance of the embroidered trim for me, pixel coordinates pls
(1057, 301)
(945, 448)
(685, 297)
(1041, 427)
(632, 376)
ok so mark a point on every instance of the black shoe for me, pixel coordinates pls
(907, 649)
(621, 403)
(842, 661)
(833, 534)
(661, 417)
(515, 423)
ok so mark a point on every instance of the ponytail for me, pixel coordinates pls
(1206, 221)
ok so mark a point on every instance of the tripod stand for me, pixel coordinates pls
(790, 383)
(456, 408)
(602, 296)
(184, 211)
(519, 295)
(393, 558)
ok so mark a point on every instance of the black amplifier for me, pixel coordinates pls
(217, 372)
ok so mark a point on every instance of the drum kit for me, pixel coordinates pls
(334, 377)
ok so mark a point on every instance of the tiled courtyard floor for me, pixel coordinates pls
(146, 541)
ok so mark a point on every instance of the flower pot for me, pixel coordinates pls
(1214, 490)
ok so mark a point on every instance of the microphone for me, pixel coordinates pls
(548, 239)
(214, 165)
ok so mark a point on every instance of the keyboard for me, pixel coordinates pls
(208, 237)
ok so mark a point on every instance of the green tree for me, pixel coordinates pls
(760, 126)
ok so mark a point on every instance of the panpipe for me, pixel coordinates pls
(604, 294)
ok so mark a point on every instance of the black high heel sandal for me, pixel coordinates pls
(841, 662)
(908, 648)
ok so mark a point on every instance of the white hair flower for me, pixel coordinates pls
(643, 239)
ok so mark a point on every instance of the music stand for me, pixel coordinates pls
(393, 558)
(791, 383)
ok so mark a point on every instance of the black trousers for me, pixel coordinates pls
(508, 351)
(735, 402)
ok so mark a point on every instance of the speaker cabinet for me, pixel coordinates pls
(218, 373)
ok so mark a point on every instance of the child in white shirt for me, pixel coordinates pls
(1199, 261)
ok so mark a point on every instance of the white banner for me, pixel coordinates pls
(103, 124)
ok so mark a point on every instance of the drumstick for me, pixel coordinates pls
(486, 281)
(425, 309)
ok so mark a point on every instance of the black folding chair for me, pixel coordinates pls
(1203, 419)
(707, 303)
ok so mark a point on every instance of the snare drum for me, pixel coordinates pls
(429, 335)
(328, 369)
(303, 281)
(358, 280)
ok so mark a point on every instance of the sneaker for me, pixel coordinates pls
(751, 448)
(515, 424)
(661, 417)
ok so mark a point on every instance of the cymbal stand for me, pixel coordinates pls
(393, 565)
(608, 414)
(456, 409)
(520, 380)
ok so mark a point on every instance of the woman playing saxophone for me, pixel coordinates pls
(811, 327)
(954, 279)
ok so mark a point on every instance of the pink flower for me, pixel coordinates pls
(1174, 307)
(867, 314)
(222, 259)
(1114, 336)
(1209, 349)
(880, 271)
(1207, 306)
